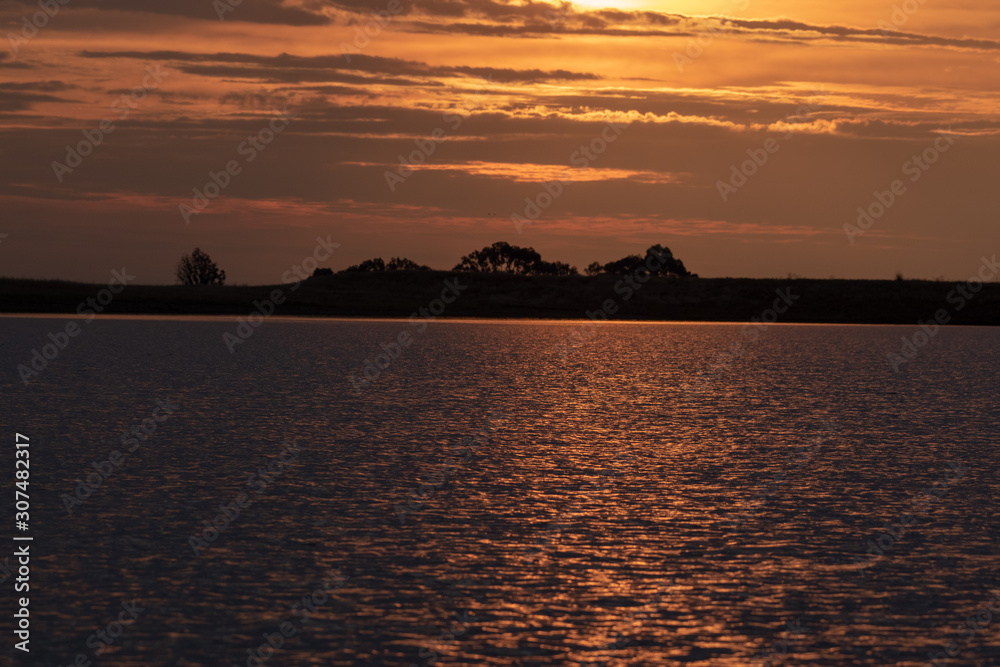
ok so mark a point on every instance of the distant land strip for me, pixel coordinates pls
(500, 295)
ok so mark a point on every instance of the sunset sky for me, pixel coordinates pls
(844, 94)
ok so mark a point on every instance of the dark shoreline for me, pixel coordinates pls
(502, 296)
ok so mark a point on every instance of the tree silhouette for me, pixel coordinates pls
(502, 257)
(658, 257)
(671, 265)
(554, 269)
(199, 269)
(404, 264)
(395, 264)
(374, 264)
(627, 264)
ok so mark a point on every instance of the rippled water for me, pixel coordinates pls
(547, 493)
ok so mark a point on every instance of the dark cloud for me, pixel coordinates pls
(340, 153)
(537, 30)
(16, 97)
(293, 75)
(7, 63)
(38, 86)
(333, 90)
(866, 34)
(765, 31)
(254, 11)
(17, 101)
(527, 76)
(328, 134)
(738, 109)
(487, 9)
(287, 68)
(909, 130)
(540, 19)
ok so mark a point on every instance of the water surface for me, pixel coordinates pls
(547, 493)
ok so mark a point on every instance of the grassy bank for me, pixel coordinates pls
(398, 294)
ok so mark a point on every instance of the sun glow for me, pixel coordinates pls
(696, 7)
(616, 4)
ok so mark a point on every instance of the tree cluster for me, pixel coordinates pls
(656, 256)
(394, 264)
(502, 257)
